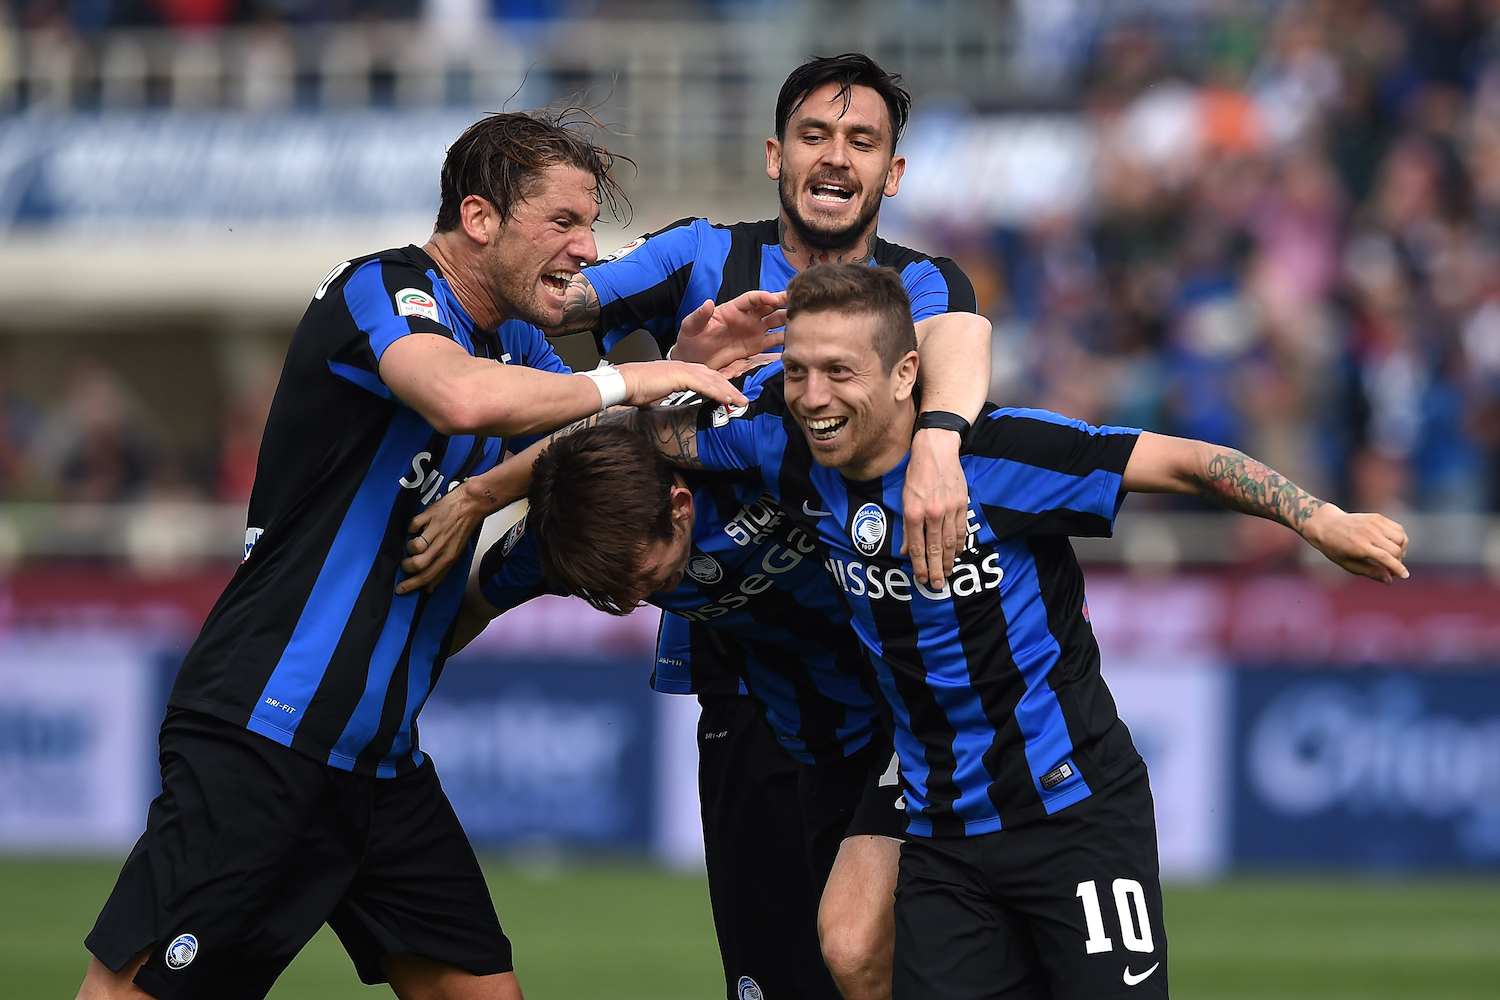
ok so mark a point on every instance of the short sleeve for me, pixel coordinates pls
(1036, 472)
(642, 284)
(389, 300)
(937, 286)
(385, 300)
(734, 438)
(510, 572)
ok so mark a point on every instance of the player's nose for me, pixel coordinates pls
(584, 248)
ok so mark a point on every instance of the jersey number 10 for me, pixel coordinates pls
(1130, 907)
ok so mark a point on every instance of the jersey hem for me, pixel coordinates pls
(324, 755)
(1110, 776)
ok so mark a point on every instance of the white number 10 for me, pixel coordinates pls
(1130, 907)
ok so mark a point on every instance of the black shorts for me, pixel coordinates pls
(859, 795)
(1063, 908)
(252, 846)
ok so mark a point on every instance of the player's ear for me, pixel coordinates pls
(906, 375)
(893, 175)
(479, 218)
(773, 159)
(682, 502)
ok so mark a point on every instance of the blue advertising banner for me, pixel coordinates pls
(546, 750)
(131, 172)
(1379, 769)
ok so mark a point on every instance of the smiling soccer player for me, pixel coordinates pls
(1031, 868)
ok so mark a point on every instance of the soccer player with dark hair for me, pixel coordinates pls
(293, 791)
(833, 156)
(1031, 865)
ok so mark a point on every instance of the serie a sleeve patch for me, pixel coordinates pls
(416, 302)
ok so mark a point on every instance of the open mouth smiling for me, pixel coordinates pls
(827, 428)
(831, 192)
(556, 282)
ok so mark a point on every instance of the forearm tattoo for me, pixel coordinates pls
(581, 312)
(1237, 481)
(614, 414)
(674, 431)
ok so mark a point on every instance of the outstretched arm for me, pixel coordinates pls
(1367, 544)
(955, 366)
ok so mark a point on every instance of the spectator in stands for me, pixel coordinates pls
(100, 446)
(20, 422)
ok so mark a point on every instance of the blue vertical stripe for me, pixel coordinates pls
(927, 289)
(326, 614)
(941, 650)
(1036, 651)
(426, 646)
(365, 721)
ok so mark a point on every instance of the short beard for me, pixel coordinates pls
(827, 240)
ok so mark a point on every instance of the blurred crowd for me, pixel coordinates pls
(1293, 247)
(88, 16)
(100, 443)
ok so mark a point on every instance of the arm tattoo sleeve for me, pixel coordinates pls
(615, 414)
(581, 312)
(674, 431)
(1237, 481)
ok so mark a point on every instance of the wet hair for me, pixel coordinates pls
(856, 288)
(599, 499)
(501, 157)
(850, 70)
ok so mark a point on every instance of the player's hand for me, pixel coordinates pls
(735, 369)
(935, 505)
(648, 381)
(716, 335)
(1367, 544)
(441, 533)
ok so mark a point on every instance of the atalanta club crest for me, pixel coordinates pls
(749, 989)
(704, 568)
(182, 951)
(868, 529)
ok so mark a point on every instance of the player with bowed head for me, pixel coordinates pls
(293, 791)
(1030, 868)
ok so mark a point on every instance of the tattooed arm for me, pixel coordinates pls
(581, 311)
(1366, 544)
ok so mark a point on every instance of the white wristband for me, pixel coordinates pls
(610, 383)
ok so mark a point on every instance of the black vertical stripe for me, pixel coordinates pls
(1102, 742)
(899, 634)
(742, 265)
(996, 680)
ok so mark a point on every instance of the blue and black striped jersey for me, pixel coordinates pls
(654, 282)
(999, 712)
(755, 605)
(309, 644)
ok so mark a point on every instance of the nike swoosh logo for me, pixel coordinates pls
(1134, 980)
(810, 512)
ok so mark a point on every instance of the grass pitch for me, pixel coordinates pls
(619, 932)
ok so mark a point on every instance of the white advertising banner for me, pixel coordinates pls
(1178, 711)
(75, 765)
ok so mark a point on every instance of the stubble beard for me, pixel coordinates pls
(828, 241)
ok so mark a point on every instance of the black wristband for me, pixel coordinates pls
(944, 421)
